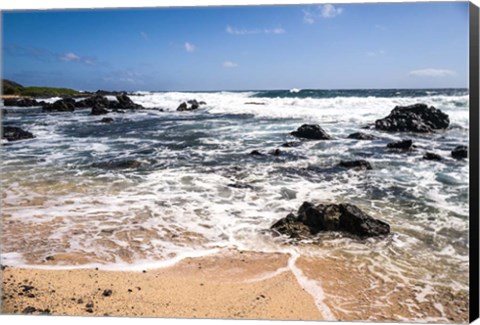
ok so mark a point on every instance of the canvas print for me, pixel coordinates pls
(281, 162)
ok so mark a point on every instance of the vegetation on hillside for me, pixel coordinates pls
(12, 88)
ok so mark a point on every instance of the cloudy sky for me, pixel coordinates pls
(344, 46)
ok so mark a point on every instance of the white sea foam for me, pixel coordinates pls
(198, 190)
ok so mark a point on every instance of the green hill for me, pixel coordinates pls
(12, 88)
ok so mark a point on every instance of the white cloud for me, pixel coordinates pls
(230, 64)
(432, 73)
(322, 11)
(278, 30)
(70, 57)
(375, 53)
(329, 11)
(189, 47)
(237, 31)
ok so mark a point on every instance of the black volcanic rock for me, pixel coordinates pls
(20, 102)
(99, 110)
(290, 227)
(106, 120)
(182, 107)
(414, 118)
(357, 164)
(312, 219)
(460, 152)
(276, 152)
(256, 153)
(124, 102)
(292, 144)
(189, 105)
(361, 136)
(61, 105)
(193, 104)
(118, 164)
(12, 133)
(402, 145)
(312, 132)
(92, 101)
(432, 156)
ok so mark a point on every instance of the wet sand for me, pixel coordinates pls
(236, 285)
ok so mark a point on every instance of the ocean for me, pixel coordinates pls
(199, 191)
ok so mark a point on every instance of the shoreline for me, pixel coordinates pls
(230, 285)
(212, 287)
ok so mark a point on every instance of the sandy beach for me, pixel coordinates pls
(235, 285)
(195, 288)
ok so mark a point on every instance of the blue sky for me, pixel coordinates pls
(344, 46)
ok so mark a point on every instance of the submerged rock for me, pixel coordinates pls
(106, 120)
(432, 156)
(312, 132)
(414, 118)
(118, 164)
(357, 164)
(291, 144)
(460, 152)
(254, 103)
(256, 153)
(240, 185)
(347, 218)
(402, 145)
(361, 136)
(12, 133)
(276, 152)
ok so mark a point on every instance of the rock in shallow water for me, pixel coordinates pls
(414, 118)
(358, 164)
(106, 120)
(193, 105)
(460, 152)
(20, 102)
(61, 105)
(118, 164)
(312, 132)
(12, 133)
(99, 110)
(432, 156)
(361, 136)
(402, 145)
(347, 218)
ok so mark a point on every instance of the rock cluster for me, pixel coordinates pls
(414, 118)
(312, 219)
(190, 105)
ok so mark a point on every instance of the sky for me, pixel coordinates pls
(324, 46)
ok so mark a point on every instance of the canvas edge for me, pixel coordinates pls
(474, 162)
